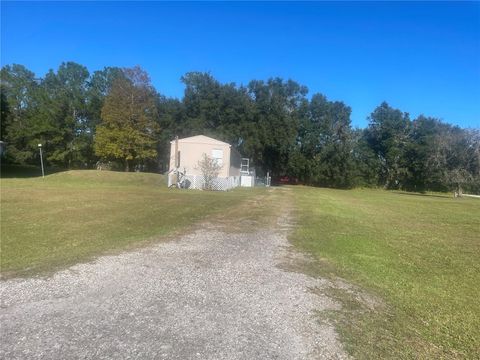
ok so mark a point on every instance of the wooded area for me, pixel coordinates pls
(116, 117)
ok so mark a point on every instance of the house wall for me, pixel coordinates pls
(191, 154)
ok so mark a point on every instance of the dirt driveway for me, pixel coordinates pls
(206, 295)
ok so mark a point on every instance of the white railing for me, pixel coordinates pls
(218, 184)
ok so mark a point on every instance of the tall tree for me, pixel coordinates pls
(388, 135)
(4, 112)
(98, 87)
(64, 102)
(129, 127)
(367, 165)
(277, 109)
(423, 170)
(326, 139)
(18, 87)
(215, 109)
(456, 156)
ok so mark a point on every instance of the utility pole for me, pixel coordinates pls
(41, 159)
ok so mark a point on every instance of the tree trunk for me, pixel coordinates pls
(127, 166)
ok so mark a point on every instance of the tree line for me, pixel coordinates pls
(115, 116)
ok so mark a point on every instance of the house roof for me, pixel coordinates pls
(201, 139)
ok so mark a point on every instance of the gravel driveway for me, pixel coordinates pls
(206, 295)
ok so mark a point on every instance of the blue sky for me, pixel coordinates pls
(419, 57)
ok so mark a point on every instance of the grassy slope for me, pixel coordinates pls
(419, 253)
(72, 216)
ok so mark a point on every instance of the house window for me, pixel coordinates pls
(217, 154)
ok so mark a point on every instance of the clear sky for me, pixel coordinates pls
(419, 57)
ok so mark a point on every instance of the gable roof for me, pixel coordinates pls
(201, 139)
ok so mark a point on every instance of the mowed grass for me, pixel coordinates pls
(419, 254)
(74, 216)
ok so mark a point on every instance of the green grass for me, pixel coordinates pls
(419, 254)
(74, 216)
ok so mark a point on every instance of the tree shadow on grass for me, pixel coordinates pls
(446, 196)
(8, 171)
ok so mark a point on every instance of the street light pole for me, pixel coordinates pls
(41, 159)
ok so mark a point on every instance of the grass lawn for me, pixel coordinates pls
(73, 216)
(419, 254)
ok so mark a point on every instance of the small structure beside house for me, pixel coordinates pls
(247, 175)
(186, 153)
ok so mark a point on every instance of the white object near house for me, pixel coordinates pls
(190, 151)
(246, 181)
(247, 176)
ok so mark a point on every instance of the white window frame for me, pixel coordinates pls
(215, 155)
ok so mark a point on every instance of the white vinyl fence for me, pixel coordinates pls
(218, 184)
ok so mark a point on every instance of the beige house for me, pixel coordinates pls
(191, 150)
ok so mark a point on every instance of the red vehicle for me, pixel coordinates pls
(286, 180)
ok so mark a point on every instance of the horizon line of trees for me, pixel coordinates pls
(116, 116)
